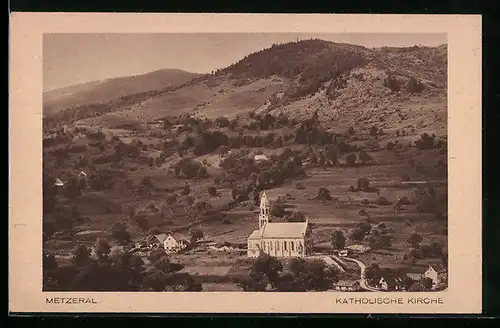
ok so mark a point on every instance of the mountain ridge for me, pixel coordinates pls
(101, 91)
(291, 77)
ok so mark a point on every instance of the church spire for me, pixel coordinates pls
(264, 211)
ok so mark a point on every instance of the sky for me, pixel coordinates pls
(70, 59)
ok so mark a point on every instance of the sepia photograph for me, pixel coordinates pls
(245, 162)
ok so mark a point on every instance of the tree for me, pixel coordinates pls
(255, 282)
(373, 272)
(297, 216)
(350, 159)
(212, 191)
(414, 240)
(278, 208)
(196, 234)
(120, 233)
(142, 222)
(427, 283)
(187, 189)
(202, 172)
(364, 157)
(338, 239)
(268, 266)
(323, 194)
(81, 255)
(414, 86)
(363, 184)
(102, 250)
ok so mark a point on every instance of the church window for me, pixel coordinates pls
(271, 245)
(293, 246)
(284, 246)
(277, 245)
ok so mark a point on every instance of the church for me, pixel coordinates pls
(279, 239)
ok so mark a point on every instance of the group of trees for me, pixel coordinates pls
(423, 251)
(100, 269)
(378, 236)
(300, 275)
(412, 85)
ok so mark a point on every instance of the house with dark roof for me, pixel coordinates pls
(172, 242)
(390, 283)
(278, 239)
(347, 285)
(437, 273)
(156, 239)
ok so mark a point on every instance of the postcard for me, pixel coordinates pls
(245, 163)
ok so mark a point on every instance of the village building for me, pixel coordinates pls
(390, 283)
(358, 248)
(437, 273)
(279, 239)
(175, 243)
(171, 242)
(347, 286)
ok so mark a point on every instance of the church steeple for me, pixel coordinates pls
(264, 211)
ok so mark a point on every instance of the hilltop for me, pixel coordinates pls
(348, 85)
(107, 90)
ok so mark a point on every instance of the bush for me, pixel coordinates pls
(383, 201)
(414, 86)
(363, 184)
(212, 191)
(392, 83)
(390, 145)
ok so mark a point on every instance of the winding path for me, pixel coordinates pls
(362, 280)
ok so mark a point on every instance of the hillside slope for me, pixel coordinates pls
(348, 85)
(110, 89)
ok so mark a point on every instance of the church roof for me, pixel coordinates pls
(284, 230)
(255, 235)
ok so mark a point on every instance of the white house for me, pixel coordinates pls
(358, 248)
(279, 239)
(175, 242)
(260, 158)
(437, 273)
(390, 283)
(59, 183)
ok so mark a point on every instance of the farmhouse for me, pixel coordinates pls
(156, 239)
(358, 248)
(437, 273)
(175, 242)
(389, 282)
(347, 286)
(279, 239)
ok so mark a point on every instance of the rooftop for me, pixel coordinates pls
(284, 230)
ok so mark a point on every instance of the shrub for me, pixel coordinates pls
(390, 145)
(363, 184)
(212, 191)
(414, 86)
(383, 201)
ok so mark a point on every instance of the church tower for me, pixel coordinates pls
(264, 211)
